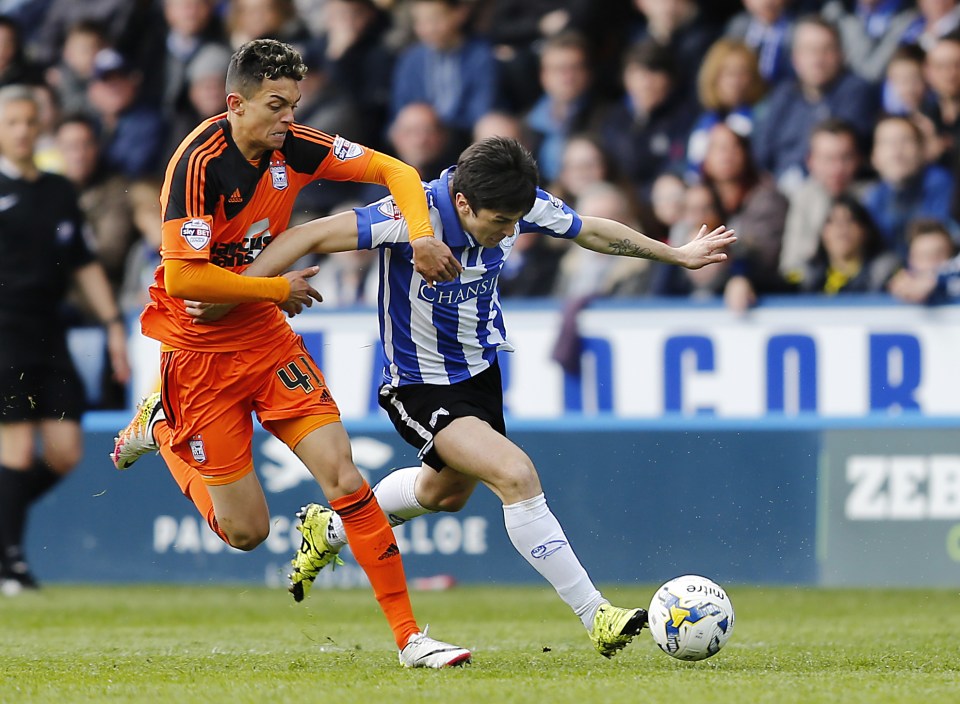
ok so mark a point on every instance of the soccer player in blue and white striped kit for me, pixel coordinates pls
(441, 382)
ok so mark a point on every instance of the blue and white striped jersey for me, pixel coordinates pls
(449, 333)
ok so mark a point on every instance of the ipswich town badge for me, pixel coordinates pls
(196, 447)
(278, 172)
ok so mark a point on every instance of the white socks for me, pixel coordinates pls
(532, 527)
(537, 535)
(396, 494)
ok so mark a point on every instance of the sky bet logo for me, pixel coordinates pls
(456, 292)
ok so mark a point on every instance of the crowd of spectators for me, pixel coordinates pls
(827, 133)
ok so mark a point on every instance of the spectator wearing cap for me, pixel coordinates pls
(647, 130)
(133, 133)
(823, 88)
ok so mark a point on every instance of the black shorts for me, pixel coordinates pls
(420, 411)
(41, 390)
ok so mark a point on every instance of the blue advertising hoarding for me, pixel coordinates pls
(639, 505)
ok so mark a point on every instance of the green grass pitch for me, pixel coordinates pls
(236, 644)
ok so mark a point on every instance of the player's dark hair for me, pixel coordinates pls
(262, 59)
(497, 173)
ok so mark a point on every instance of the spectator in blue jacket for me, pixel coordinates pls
(132, 132)
(565, 107)
(822, 89)
(908, 188)
(766, 26)
(932, 273)
(646, 132)
(447, 68)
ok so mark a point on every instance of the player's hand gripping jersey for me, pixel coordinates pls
(221, 208)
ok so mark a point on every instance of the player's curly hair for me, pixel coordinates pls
(498, 174)
(263, 59)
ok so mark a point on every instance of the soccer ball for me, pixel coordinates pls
(691, 617)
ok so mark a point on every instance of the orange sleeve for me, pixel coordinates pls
(406, 188)
(342, 160)
(203, 281)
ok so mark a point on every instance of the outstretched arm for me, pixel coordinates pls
(611, 237)
(335, 233)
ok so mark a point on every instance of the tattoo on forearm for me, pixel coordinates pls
(626, 248)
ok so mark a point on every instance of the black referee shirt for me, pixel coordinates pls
(42, 243)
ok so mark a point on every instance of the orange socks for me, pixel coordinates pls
(375, 550)
(188, 479)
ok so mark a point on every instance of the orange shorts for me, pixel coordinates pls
(208, 398)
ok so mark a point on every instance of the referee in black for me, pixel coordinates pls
(43, 251)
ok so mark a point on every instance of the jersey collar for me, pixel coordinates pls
(453, 233)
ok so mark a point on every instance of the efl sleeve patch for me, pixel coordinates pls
(345, 150)
(187, 238)
(196, 232)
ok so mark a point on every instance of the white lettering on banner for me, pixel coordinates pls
(447, 535)
(903, 488)
(191, 535)
(839, 360)
(187, 534)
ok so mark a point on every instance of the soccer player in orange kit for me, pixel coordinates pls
(228, 188)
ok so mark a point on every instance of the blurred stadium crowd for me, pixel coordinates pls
(826, 133)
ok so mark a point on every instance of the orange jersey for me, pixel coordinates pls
(221, 208)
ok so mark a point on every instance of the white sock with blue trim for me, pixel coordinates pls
(537, 535)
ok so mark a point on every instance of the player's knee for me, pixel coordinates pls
(519, 481)
(246, 538)
(245, 541)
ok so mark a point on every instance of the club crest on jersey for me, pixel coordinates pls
(278, 172)
(196, 447)
(555, 202)
(344, 149)
(196, 232)
(389, 209)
